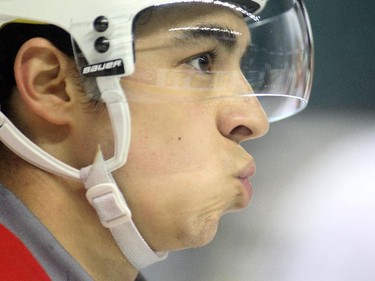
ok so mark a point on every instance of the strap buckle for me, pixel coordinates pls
(109, 204)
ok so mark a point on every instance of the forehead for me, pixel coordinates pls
(159, 21)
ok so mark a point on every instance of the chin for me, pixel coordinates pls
(203, 234)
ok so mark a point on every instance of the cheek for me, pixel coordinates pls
(172, 180)
(92, 130)
(170, 138)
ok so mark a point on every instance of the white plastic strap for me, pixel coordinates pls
(105, 196)
(26, 149)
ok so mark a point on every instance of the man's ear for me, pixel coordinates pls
(42, 74)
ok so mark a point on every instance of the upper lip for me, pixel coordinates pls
(247, 171)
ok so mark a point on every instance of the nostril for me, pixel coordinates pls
(241, 131)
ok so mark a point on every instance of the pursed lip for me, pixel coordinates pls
(246, 190)
(247, 172)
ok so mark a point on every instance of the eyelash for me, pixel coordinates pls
(208, 57)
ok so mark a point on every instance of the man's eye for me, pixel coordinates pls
(203, 62)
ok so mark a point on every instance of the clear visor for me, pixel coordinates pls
(195, 51)
(279, 62)
(206, 51)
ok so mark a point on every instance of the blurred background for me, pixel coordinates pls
(312, 217)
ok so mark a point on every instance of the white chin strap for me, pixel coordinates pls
(113, 211)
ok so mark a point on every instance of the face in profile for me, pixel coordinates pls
(186, 167)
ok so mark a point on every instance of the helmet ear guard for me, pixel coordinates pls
(107, 51)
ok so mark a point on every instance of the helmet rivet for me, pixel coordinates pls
(101, 24)
(102, 44)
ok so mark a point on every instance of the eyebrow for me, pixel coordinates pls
(189, 35)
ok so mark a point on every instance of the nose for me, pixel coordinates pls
(241, 117)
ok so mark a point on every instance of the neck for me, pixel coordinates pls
(61, 205)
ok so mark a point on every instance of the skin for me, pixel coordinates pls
(185, 160)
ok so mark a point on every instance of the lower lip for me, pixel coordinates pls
(248, 188)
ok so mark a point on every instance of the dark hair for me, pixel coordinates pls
(12, 37)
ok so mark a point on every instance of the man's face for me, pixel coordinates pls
(185, 166)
